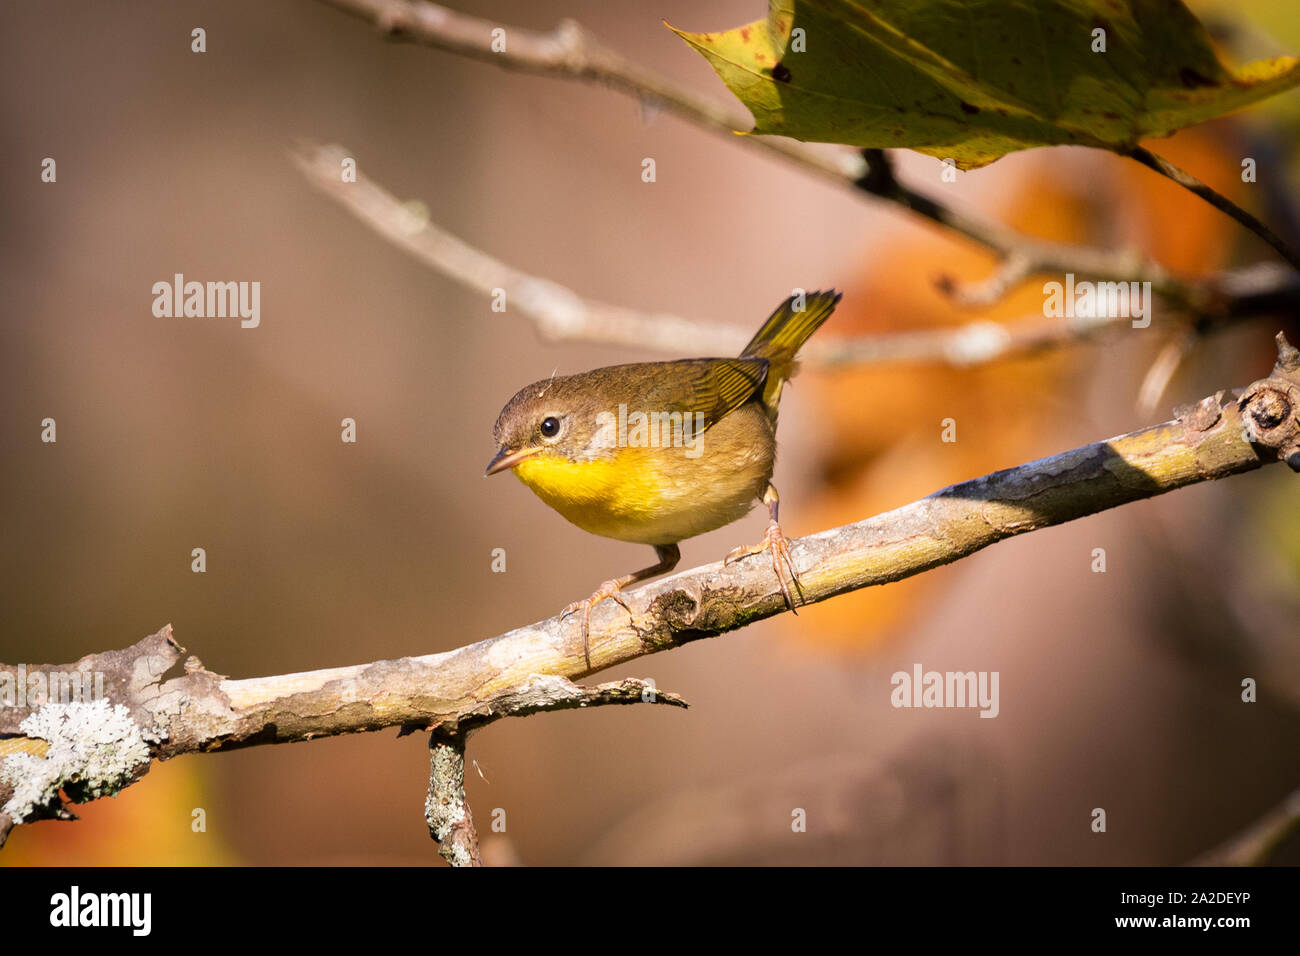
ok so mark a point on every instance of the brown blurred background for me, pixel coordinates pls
(1118, 690)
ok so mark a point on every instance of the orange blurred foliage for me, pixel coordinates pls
(885, 420)
(149, 824)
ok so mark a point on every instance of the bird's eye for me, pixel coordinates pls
(550, 426)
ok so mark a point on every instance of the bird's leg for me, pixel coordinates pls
(669, 555)
(774, 543)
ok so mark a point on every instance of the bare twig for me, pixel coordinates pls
(1215, 199)
(1015, 269)
(446, 810)
(569, 51)
(563, 315)
(1162, 370)
(1021, 255)
(96, 749)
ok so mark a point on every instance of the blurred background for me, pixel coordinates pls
(1119, 690)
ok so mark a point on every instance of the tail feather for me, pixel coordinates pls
(784, 333)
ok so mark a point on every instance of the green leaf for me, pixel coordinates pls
(973, 80)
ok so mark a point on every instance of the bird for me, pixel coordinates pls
(658, 452)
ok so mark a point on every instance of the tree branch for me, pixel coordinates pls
(1215, 199)
(1023, 256)
(446, 810)
(570, 52)
(91, 749)
(561, 314)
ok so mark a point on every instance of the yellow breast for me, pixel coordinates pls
(659, 495)
(606, 496)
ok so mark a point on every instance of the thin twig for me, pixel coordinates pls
(1162, 370)
(569, 51)
(561, 314)
(1215, 199)
(1022, 256)
(1015, 269)
(445, 809)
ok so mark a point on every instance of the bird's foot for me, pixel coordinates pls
(774, 542)
(610, 589)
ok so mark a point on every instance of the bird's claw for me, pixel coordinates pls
(610, 589)
(774, 542)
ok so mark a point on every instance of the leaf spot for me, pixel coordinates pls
(1191, 79)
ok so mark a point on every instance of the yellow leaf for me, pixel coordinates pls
(975, 81)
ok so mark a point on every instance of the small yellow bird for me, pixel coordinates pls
(658, 452)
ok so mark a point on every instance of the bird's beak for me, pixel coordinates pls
(506, 458)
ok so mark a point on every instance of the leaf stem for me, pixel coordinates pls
(1218, 201)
